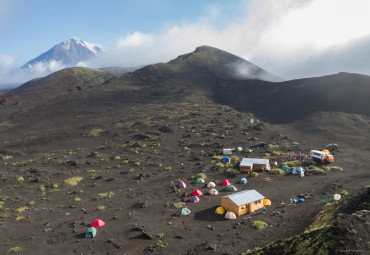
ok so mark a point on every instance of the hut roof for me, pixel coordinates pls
(244, 197)
(250, 161)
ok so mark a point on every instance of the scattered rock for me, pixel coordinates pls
(92, 155)
(212, 247)
(141, 137)
(72, 163)
(166, 130)
(36, 180)
(237, 225)
(143, 203)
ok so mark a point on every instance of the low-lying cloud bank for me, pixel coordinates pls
(15, 77)
(291, 39)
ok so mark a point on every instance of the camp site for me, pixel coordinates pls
(165, 159)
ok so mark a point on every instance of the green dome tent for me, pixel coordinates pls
(183, 211)
(90, 233)
(199, 180)
(230, 188)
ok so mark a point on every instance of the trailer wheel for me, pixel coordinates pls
(316, 160)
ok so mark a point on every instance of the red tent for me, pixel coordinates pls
(194, 199)
(181, 184)
(226, 182)
(197, 193)
(97, 223)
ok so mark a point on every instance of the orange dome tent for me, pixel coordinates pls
(266, 202)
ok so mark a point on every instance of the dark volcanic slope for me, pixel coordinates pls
(127, 140)
(38, 91)
(215, 73)
(291, 100)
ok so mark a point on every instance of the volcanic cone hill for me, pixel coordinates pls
(42, 90)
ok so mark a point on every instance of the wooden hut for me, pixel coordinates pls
(246, 201)
(251, 164)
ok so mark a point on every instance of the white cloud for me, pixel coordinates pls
(276, 35)
(318, 24)
(134, 40)
(6, 61)
(43, 68)
(15, 77)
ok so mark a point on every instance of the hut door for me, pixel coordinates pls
(249, 208)
(243, 209)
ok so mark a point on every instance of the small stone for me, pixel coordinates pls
(212, 247)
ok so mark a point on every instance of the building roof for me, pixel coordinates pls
(245, 163)
(262, 161)
(244, 197)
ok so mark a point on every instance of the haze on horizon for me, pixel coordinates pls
(291, 39)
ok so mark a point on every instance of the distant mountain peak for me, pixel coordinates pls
(69, 52)
(91, 46)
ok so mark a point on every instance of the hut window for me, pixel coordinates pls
(257, 202)
(242, 207)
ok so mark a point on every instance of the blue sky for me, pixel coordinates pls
(30, 27)
(290, 38)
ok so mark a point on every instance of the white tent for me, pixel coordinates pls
(243, 180)
(213, 192)
(337, 196)
(230, 216)
(211, 185)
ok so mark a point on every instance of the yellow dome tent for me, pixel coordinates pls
(266, 202)
(220, 210)
(326, 151)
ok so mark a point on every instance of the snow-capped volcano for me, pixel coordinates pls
(71, 52)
